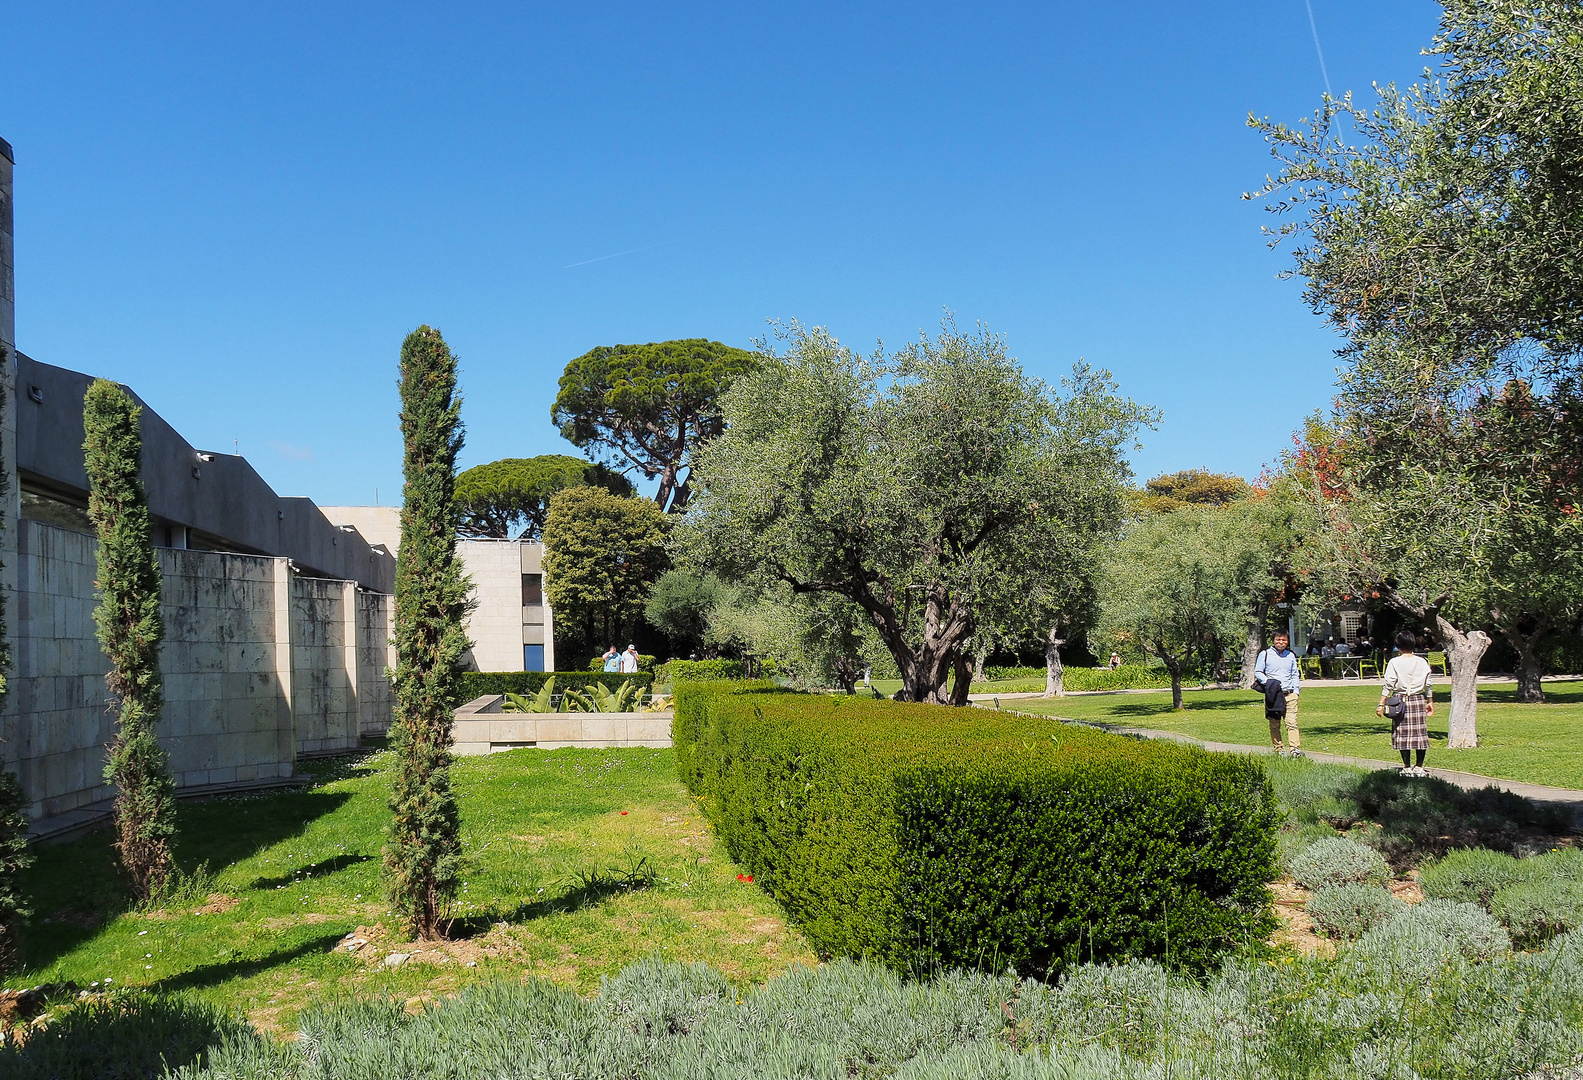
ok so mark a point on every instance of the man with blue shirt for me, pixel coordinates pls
(1277, 669)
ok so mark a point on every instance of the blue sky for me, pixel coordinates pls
(240, 210)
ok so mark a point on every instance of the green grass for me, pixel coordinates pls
(1542, 744)
(552, 857)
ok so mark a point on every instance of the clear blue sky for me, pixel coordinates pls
(240, 210)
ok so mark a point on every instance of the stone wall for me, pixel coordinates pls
(259, 664)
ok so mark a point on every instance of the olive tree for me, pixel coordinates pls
(915, 485)
(1438, 232)
(1177, 587)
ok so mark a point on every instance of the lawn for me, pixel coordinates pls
(581, 862)
(1542, 744)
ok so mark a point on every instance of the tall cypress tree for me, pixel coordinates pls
(423, 855)
(130, 630)
(14, 855)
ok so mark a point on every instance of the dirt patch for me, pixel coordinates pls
(218, 904)
(374, 945)
(1297, 929)
(1408, 892)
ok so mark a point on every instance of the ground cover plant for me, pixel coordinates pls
(929, 839)
(1542, 744)
(578, 862)
(1432, 992)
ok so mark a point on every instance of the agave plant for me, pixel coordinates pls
(542, 702)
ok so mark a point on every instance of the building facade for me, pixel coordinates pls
(511, 625)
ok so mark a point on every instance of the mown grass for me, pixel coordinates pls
(1542, 744)
(581, 862)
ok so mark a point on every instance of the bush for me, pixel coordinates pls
(479, 683)
(1536, 911)
(1350, 911)
(1473, 875)
(673, 671)
(121, 1036)
(935, 838)
(1425, 936)
(1126, 677)
(1335, 860)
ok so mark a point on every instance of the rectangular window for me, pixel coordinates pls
(533, 658)
(532, 591)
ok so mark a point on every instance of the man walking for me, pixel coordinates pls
(629, 660)
(612, 659)
(1277, 670)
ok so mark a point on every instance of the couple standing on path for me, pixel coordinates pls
(1406, 698)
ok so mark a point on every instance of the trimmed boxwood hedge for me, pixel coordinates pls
(478, 683)
(929, 838)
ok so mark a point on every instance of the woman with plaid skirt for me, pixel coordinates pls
(1408, 675)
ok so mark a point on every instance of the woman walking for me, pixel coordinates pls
(1407, 691)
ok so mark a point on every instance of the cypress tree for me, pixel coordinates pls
(130, 630)
(14, 855)
(423, 855)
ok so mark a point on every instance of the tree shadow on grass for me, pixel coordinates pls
(79, 888)
(322, 868)
(1156, 708)
(589, 889)
(240, 968)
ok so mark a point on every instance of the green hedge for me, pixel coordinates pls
(930, 838)
(478, 683)
(1126, 677)
(675, 670)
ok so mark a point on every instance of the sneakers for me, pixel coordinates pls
(1296, 753)
(1413, 770)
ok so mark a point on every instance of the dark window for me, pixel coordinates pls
(532, 590)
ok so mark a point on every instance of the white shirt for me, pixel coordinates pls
(629, 662)
(1407, 673)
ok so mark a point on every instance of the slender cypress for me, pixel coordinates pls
(130, 630)
(14, 855)
(423, 855)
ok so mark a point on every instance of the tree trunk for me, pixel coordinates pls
(964, 679)
(1530, 672)
(1053, 671)
(979, 656)
(1463, 652)
(925, 670)
(1253, 644)
(1176, 684)
(847, 673)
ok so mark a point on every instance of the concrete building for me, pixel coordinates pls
(277, 620)
(511, 626)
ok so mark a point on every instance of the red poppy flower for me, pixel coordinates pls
(623, 813)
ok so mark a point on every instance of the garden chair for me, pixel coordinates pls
(1438, 659)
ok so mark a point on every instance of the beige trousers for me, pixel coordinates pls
(1293, 738)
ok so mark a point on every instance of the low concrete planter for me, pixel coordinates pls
(481, 728)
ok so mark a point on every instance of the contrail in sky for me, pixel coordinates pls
(1309, 4)
(617, 255)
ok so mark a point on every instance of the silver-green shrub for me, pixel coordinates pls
(1336, 860)
(1536, 911)
(1350, 911)
(1473, 875)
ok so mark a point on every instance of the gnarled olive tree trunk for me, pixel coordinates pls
(1530, 671)
(1053, 671)
(1253, 644)
(1464, 650)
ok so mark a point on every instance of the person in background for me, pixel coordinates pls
(629, 660)
(1408, 675)
(1327, 659)
(612, 659)
(1115, 661)
(1276, 668)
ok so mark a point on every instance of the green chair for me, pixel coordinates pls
(1368, 668)
(1438, 659)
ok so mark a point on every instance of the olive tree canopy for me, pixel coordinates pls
(648, 407)
(917, 486)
